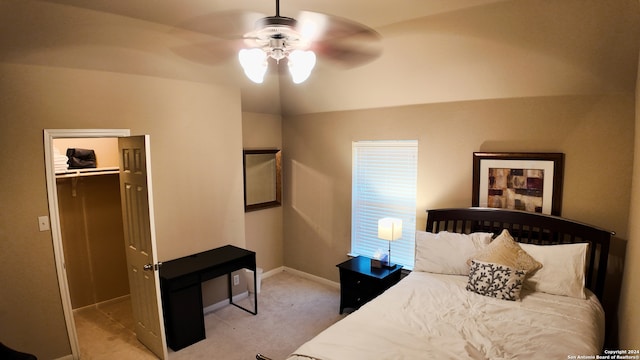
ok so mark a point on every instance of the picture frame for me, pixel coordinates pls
(519, 181)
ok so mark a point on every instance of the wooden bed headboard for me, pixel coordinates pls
(531, 228)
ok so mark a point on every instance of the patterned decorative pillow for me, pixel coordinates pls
(504, 250)
(495, 280)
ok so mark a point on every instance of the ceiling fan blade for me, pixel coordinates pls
(321, 27)
(347, 55)
(340, 40)
(214, 38)
(208, 52)
(232, 24)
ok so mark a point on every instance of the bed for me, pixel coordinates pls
(460, 302)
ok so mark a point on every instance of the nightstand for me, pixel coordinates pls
(360, 283)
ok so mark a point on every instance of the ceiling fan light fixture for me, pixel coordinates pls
(301, 62)
(270, 39)
(254, 64)
(277, 49)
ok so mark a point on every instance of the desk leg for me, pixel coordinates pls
(255, 294)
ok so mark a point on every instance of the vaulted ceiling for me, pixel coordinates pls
(433, 50)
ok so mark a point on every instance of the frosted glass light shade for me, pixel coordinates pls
(300, 64)
(254, 64)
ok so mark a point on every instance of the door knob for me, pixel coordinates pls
(150, 267)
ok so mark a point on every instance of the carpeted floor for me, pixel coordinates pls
(106, 332)
(291, 310)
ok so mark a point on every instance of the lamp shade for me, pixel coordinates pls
(390, 229)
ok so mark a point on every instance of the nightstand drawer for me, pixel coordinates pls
(354, 300)
(356, 280)
(359, 283)
(357, 289)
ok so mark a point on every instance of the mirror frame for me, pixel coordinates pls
(278, 180)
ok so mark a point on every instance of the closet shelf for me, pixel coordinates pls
(69, 173)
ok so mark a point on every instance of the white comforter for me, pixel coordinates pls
(431, 316)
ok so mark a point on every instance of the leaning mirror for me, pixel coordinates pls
(262, 179)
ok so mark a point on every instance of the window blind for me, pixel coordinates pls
(384, 185)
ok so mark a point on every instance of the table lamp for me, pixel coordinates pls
(390, 229)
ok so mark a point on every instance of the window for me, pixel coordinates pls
(384, 185)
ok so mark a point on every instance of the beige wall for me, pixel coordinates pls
(196, 147)
(629, 313)
(93, 238)
(507, 49)
(263, 228)
(594, 132)
(91, 226)
(106, 149)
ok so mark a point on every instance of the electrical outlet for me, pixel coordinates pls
(236, 280)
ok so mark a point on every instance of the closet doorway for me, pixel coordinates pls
(89, 246)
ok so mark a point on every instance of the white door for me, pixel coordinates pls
(140, 242)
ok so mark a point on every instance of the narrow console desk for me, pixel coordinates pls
(180, 282)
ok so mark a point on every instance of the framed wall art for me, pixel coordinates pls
(518, 181)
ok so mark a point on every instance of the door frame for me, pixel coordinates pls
(54, 217)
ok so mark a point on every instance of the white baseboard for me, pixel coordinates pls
(243, 295)
(106, 302)
(66, 357)
(312, 277)
(303, 274)
(273, 272)
(223, 303)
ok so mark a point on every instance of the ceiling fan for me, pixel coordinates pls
(296, 42)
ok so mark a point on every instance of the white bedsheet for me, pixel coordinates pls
(432, 316)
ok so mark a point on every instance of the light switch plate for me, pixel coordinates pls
(43, 223)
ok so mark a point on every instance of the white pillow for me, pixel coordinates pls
(446, 252)
(562, 271)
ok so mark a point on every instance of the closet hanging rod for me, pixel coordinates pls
(88, 172)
